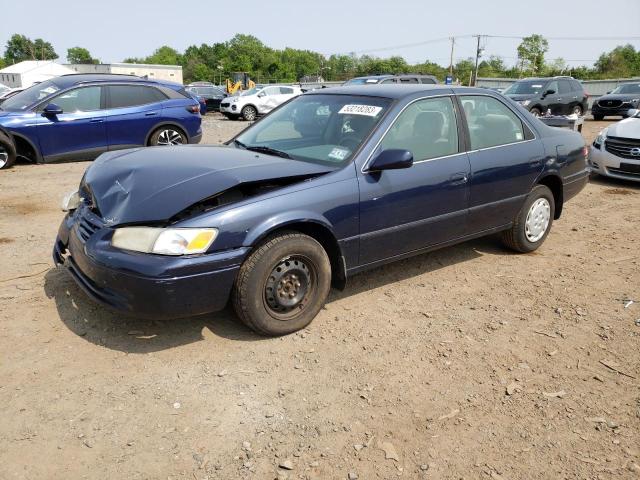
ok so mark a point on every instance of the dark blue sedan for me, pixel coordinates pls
(331, 183)
(81, 116)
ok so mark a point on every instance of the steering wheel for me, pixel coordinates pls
(349, 142)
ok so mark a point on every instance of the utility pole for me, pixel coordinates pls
(478, 53)
(453, 42)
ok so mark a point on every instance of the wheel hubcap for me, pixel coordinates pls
(170, 137)
(4, 156)
(289, 285)
(537, 220)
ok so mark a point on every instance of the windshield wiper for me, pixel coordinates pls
(267, 150)
(240, 144)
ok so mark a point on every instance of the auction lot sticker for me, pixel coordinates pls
(368, 110)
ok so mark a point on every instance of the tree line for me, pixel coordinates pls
(246, 53)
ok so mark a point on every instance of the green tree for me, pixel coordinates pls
(531, 52)
(80, 55)
(622, 61)
(20, 48)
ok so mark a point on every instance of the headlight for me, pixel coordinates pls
(71, 201)
(164, 241)
(601, 137)
(525, 102)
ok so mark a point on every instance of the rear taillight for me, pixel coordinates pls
(586, 95)
(194, 108)
(585, 152)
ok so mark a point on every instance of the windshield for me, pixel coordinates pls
(251, 91)
(628, 88)
(525, 87)
(323, 129)
(26, 98)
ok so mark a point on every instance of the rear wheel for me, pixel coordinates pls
(535, 111)
(168, 136)
(577, 110)
(7, 151)
(283, 284)
(533, 222)
(249, 113)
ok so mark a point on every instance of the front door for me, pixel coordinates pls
(426, 204)
(78, 132)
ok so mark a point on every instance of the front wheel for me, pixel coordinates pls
(283, 284)
(249, 113)
(167, 136)
(532, 224)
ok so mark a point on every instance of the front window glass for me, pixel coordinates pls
(490, 122)
(629, 88)
(26, 98)
(320, 128)
(251, 91)
(427, 128)
(526, 87)
(79, 100)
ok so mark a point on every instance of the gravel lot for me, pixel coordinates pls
(470, 362)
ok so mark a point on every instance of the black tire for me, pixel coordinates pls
(535, 111)
(168, 135)
(598, 117)
(249, 113)
(299, 257)
(517, 238)
(7, 152)
(577, 110)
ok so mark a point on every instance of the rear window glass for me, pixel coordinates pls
(122, 96)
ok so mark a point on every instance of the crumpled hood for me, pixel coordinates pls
(627, 128)
(154, 184)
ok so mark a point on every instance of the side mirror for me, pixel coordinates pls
(633, 113)
(608, 92)
(392, 159)
(51, 110)
(262, 94)
(550, 91)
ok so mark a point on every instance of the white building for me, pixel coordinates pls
(172, 73)
(25, 74)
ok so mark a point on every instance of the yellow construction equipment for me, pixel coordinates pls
(241, 81)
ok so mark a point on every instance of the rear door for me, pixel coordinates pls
(132, 113)
(505, 161)
(568, 96)
(79, 131)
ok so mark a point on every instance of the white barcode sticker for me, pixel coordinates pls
(368, 110)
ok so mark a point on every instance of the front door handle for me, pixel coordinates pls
(96, 120)
(459, 178)
(150, 114)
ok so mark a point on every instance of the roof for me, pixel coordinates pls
(397, 91)
(66, 81)
(34, 65)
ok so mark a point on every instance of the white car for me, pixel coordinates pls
(616, 151)
(257, 101)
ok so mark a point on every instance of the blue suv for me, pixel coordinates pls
(81, 116)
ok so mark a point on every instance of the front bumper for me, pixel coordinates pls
(610, 165)
(143, 285)
(230, 108)
(611, 112)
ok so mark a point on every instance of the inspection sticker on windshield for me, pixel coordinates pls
(339, 153)
(368, 110)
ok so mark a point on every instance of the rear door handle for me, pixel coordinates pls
(459, 178)
(96, 120)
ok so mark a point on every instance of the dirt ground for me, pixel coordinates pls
(470, 362)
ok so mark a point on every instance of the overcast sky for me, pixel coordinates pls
(115, 29)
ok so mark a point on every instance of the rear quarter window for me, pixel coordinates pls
(122, 96)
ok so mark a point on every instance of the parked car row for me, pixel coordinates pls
(81, 116)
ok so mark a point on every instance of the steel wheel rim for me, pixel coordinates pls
(170, 137)
(250, 113)
(535, 113)
(4, 156)
(289, 287)
(537, 222)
